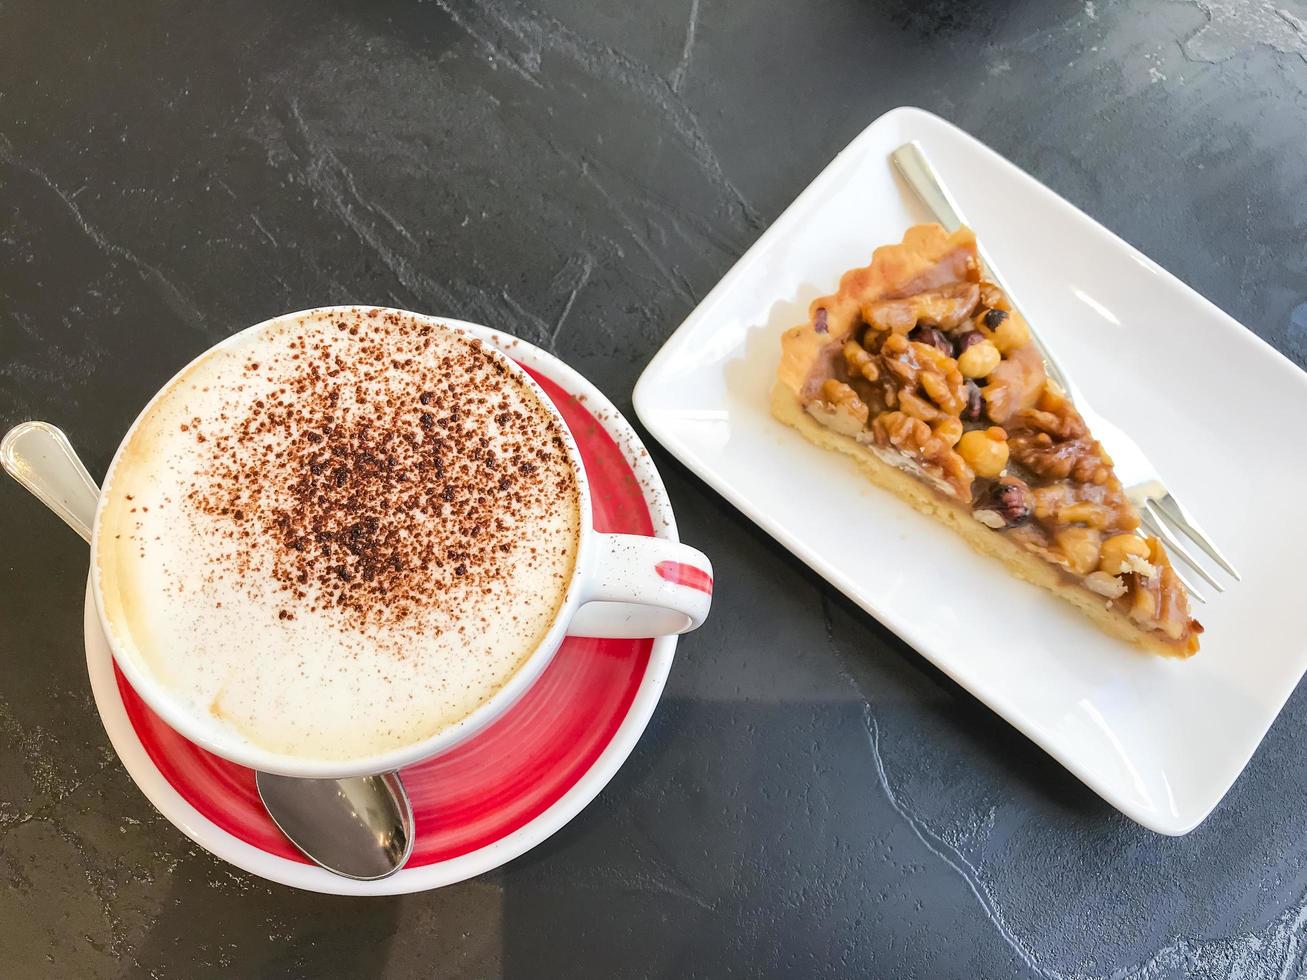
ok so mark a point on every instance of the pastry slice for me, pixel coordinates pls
(921, 371)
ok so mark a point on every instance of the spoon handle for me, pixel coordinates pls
(39, 456)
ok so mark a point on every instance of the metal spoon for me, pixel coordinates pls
(358, 828)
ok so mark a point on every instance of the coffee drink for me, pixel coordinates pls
(340, 533)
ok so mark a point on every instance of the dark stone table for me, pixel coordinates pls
(811, 798)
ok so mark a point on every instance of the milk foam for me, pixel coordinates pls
(264, 644)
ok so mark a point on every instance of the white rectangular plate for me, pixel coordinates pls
(1212, 405)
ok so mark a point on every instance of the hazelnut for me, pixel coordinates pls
(1079, 547)
(1010, 334)
(984, 451)
(979, 359)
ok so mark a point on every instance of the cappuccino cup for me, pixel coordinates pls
(344, 540)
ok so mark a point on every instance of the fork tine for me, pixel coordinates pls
(1174, 510)
(1155, 521)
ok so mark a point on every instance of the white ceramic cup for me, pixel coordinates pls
(622, 586)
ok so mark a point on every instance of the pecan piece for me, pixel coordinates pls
(1006, 504)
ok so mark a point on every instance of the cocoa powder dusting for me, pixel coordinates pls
(382, 471)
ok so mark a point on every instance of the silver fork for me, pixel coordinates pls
(1161, 513)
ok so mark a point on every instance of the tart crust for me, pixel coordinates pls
(927, 260)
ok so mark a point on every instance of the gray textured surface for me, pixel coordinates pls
(810, 799)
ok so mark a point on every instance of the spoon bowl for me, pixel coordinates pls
(359, 828)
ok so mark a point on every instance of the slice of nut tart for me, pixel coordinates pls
(921, 370)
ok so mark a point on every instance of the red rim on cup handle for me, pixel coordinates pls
(630, 593)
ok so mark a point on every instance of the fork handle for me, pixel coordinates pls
(911, 162)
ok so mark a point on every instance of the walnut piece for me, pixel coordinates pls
(859, 361)
(1056, 443)
(1053, 413)
(1066, 502)
(839, 408)
(946, 308)
(922, 369)
(1081, 460)
(914, 438)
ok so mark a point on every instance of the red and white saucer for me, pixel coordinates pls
(492, 797)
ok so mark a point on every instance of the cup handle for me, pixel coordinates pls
(640, 587)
